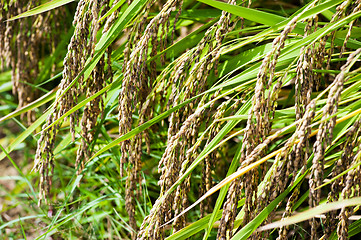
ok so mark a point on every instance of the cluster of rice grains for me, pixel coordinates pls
(23, 44)
(348, 158)
(291, 160)
(325, 129)
(184, 139)
(80, 48)
(143, 87)
(186, 78)
(144, 41)
(255, 142)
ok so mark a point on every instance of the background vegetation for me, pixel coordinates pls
(180, 119)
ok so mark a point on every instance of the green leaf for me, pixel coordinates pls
(247, 13)
(25, 134)
(38, 102)
(42, 8)
(6, 87)
(313, 212)
(194, 228)
(266, 18)
(19, 171)
(113, 9)
(21, 219)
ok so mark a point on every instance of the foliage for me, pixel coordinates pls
(133, 116)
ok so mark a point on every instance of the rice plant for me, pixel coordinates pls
(180, 119)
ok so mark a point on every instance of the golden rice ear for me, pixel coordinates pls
(321, 56)
(211, 159)
(135, 89)
(291, 160)
(80, 48)
(346, 160)
(305, 77)
(183, 125)
(92, 85)
(325, 136)
(262, 110)
(351, 189)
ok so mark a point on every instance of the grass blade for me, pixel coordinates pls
(42, 8)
